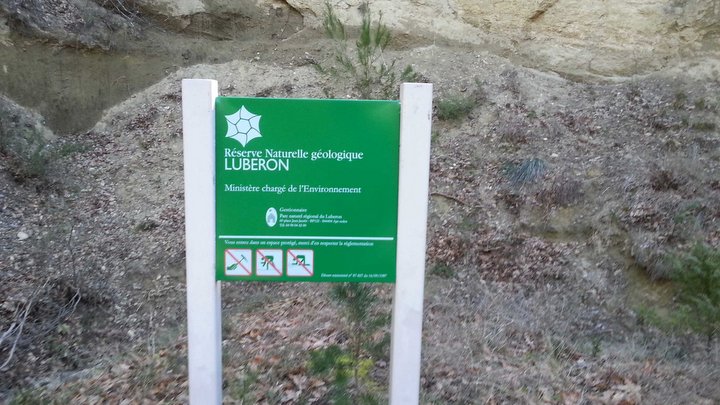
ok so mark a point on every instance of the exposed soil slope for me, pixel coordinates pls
(553, 206)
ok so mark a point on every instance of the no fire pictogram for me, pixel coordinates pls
(269, 262)
(238, 262)
(300, 263)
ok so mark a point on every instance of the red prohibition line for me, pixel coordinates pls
(249, 272)
(271, 263)
(303, 266)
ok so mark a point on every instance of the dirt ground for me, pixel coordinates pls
(554, 202)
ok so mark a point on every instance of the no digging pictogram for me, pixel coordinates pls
(237, 262)
(300, 263)
(268, 262)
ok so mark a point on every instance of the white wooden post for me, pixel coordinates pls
(407, 316)
(203, 292)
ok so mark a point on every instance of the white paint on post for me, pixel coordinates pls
(407, 316)
(203, 292)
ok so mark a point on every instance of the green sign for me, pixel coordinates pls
(306, 190)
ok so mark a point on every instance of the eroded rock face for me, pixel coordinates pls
(226, 19)
(604, 38)
(575, 37)
(81, 23)
(612, 37)
(15, 119)
(174, 8)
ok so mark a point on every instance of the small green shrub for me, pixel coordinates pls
(455, 106)
(27, 152)
(442, 270)
(349, 368)
(28, 397)
(241, 390)
(689, 219)
(71, 148)
(688, 212)
(697, 278)
(434, 136)
(679, 100)
(647, 315)
(409, 75)
(372, 77)
(703, 126)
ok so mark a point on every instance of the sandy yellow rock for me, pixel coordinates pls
(576, 37)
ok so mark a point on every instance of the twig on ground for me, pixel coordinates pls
(449, 197)
(16, 328)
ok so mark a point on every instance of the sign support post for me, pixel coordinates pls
(407, 314)
(203, 292)
(203, 288)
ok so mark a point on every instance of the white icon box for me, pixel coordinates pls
(269, 262)
(300, 263)
(238, 262)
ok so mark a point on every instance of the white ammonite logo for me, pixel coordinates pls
(271, 217)
(243, 126)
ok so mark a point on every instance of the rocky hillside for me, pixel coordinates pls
(560, 189)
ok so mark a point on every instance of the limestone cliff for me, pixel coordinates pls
(612, 37)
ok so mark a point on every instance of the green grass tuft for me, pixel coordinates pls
(527, 172)
(454, 107)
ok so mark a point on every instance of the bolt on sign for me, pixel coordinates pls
(306, 190)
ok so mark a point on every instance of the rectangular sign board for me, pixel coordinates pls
(306, 190)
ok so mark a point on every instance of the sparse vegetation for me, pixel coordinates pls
(663, 179)
(240, 390)
(689, 220)
(513, 131)
(703, 126)
(679, 100)
(527, 172)
(455, 106)
(27, 152)
(697, 277)
(442, 270)
(434, 136)
(28, 396)
(349, 369)
(564, 191)
(371, 75)
(71, 148)
(533, 297)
